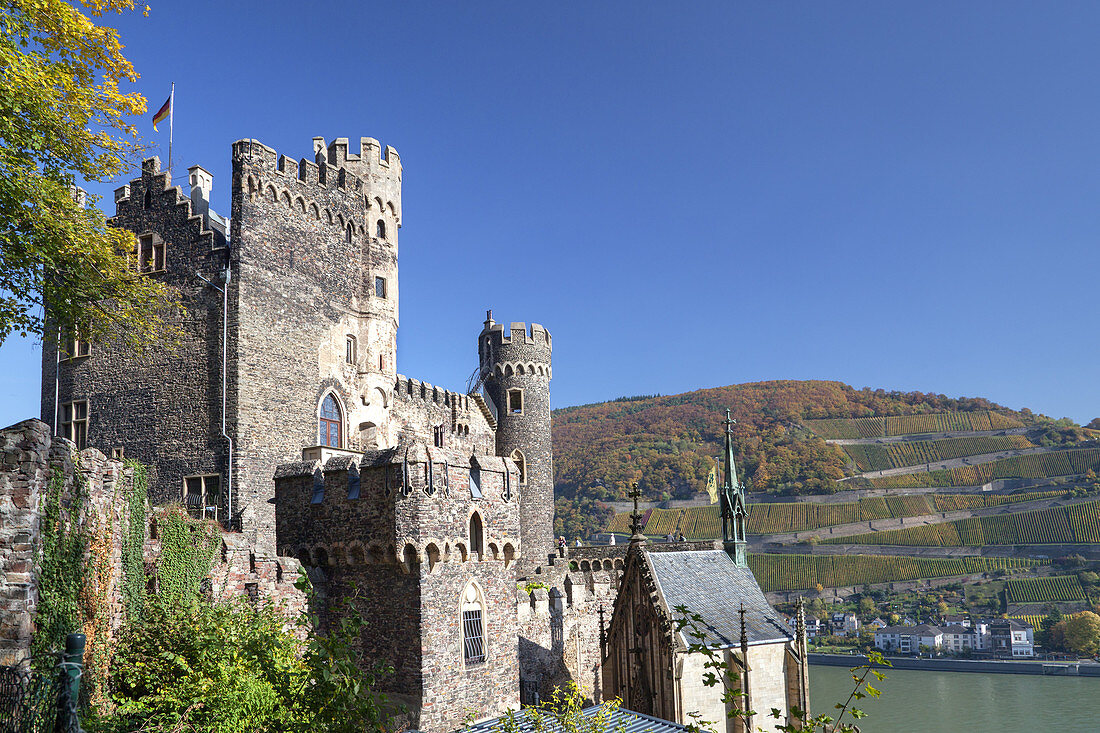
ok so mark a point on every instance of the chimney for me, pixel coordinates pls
(201, 182)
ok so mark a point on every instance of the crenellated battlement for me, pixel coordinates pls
(151, 202)
(367, 185)
(404, 505)
(413, 389)
(519, 350)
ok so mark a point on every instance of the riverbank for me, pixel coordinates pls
(994, 666)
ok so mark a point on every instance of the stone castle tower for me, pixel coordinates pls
(516, 369)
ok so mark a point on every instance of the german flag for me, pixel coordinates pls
(162, 113)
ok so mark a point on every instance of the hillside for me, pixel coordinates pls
(668, 443)
(934, 480)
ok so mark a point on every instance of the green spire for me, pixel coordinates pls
(734, 509)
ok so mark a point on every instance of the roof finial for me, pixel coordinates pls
(635, 516)
(744, 630)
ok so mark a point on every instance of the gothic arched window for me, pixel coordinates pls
(330, 432)
(473, 625)
(380, 229)
(477, 541)
(521, 464)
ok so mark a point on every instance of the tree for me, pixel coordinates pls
(63, 119)
(867, 606)
(1081, 633)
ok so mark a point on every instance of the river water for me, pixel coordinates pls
(970, 702)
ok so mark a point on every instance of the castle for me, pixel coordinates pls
(281, 414)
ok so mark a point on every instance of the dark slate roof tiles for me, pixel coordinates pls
(709, 583)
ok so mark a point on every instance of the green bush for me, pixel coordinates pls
(233, 668)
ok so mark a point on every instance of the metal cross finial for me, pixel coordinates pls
(744, 633)
(635, 516)
(729, 422)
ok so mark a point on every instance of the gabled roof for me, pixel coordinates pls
(711, 584)
(621, 721)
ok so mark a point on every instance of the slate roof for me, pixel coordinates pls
(710, 584)
(630, 721)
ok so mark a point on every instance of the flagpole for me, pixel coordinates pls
(171, 111)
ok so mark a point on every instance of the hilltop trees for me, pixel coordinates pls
(63, 119)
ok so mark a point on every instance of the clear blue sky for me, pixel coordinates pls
(896, 195)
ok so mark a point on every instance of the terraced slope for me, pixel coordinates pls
(804, 572)
(1050, 589)
(704, 522)
(1077, 523)
(937, 422)
(1041, 465)
(878, 457)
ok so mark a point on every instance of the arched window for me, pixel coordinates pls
(380, 229)
(477, 540)
(473, 625)
(330, 430)
(521, 464)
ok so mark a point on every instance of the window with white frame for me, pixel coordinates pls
(473, 626)
(74, 422)
(202, 495)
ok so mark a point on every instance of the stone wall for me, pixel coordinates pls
(392, 534)
(161, 407)
(29, 458)
(24, 473)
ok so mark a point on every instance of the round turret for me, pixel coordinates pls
(515, 368)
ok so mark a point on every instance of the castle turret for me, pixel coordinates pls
(515, 365)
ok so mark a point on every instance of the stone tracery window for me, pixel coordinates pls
(330, 424)
(473, 625)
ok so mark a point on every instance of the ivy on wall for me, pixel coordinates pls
(61, 567)
(187, 550)
(133, 543)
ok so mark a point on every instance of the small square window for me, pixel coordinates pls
(74, 422)
(150, 254)
(202, 496)
(380, 287)
(73, 344)
(118, 453)
(515, 401)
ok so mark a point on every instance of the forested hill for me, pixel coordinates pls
(668, 443)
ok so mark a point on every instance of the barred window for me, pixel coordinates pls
(202, 496)
(473, 625)
(380, 287)
(74, 422)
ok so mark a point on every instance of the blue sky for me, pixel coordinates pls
(896, 195)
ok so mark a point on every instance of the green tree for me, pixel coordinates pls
(1081, 633)
(63, 119)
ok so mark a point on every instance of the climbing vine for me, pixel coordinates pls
(61, 567)
(133, 543)
(187, 554)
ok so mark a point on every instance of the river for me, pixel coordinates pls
(965, 701)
